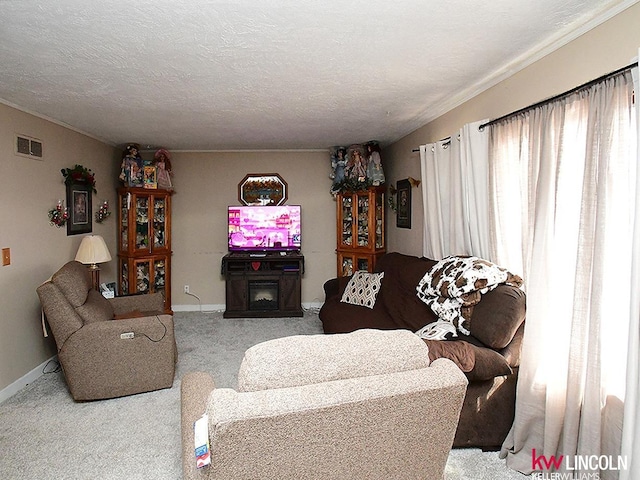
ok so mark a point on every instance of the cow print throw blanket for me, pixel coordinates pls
(455, 284)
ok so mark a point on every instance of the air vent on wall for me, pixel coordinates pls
(28, 147)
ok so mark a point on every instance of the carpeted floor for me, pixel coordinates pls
(44, 434)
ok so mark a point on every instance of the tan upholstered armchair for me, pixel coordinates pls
(102, 357)
(366, 404)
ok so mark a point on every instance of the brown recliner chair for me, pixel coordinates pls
(102, 357)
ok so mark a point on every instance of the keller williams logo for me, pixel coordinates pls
(543, 463)
(577, 467)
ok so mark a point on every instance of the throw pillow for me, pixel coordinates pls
(440, 330)
(488, 364)
(363, 289)
(478, 363)
(459, 352)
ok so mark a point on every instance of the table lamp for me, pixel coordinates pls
(93, 251)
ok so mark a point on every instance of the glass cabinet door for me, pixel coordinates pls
(159, 275)
(379, 220)
(159, 222)
(124, 277)
(346, 265)
(363, 220)
(346, 229)
(363, 264)
(142, 269)
(142, 223)
(124, 222)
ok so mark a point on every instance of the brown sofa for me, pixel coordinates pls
(489, 357)
(98, 358)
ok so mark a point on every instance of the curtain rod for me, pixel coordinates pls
(559, 96)
(551, 99)
(446, 141)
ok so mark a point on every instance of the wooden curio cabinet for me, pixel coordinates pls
(360, 234)
(144, 242)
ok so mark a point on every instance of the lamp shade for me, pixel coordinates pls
(93, 250)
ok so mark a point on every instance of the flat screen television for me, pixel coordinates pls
(264, 228)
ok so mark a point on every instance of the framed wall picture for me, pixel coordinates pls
(262, 189)
(403, 218)
(79, 204)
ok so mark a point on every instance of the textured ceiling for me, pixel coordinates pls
(270, 74)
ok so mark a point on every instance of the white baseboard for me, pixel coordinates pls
(23, 381)
(221, 308)
(197, 308)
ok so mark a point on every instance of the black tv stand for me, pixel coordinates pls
(268, 285)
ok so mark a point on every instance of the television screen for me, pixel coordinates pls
(264, 228)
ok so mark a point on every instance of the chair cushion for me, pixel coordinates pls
(309, 359)
(96, 308)
(74, 281)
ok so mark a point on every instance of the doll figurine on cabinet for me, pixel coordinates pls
(162, 161)
(374, 164)
(356, 163)
(338, 165)
(131, 170)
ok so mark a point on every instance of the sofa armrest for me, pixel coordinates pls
(336, 286)
(331, 288)
(512, 351)
(194, 394)
(152, 302)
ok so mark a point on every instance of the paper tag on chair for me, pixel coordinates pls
(201, 440)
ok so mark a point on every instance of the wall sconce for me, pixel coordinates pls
(103, 212)
(59, 215)
(413, 182)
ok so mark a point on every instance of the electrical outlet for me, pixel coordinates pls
(186, 289)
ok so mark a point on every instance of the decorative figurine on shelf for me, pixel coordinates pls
(162, 161)
(374, 164)
(131, 170)
(338, 165)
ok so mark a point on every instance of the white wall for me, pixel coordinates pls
(28, 190)
(207, 182)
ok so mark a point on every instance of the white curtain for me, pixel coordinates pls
(631, 426)
(561, 180)
(455, 194)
